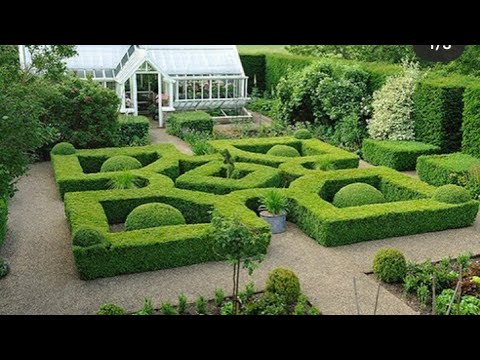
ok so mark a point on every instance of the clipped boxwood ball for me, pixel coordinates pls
(390, 265)
(358, 194)
(111, 310)
(121, 163)
(64, 148)
(86, 237)
(153, 215)
(283, 151)
(302, 134)
(285, 283)
(452, 194)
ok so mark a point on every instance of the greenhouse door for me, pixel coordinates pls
(147, 92)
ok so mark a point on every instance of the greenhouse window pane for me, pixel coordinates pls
(109, 74)
(99, 74)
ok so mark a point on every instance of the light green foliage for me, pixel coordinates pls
(390, 265)
(285, 283)
(275, 202)
(85, 237)
(201, 305)
(302, 134)
(469, 305)
(219, 297)
(63, 149)
(111, 310)
(168, 309)
(182, 303)
(227, 309)
(147, 308)
(357, 194)
(283, 151)
(121, 163)
(452, 194)
(198, 142)
(125, 181)
(182, 122)
(153, 215)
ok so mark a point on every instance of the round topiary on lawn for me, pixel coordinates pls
(153, 215)
(452, 194)
(86, 237)
(3, 268)
(121, 163)
(357, 194)
(303, 134)
(64, 148)
(284, 283)
(390, 265)
(283, 151)
(111, 310)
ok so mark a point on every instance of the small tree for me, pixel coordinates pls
(240, 246)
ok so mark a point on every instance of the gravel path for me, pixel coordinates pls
(160, 136)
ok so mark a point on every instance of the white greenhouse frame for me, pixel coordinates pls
(190, 77)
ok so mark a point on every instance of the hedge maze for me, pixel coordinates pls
(198, 186)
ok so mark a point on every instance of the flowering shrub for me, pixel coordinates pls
(393, 106)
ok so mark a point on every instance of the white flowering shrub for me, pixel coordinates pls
(393, 106)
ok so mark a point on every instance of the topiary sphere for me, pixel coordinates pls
(111, 310)
(283, 151)
(357, 194)
(452, 194)
(153, 215)
(64, 148)
(390, 265)
(303, 134)
(86, 237)
(121, 163)
(284, 283)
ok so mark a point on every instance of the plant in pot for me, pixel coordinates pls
(273, 209)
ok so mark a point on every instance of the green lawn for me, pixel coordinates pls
(256, 49)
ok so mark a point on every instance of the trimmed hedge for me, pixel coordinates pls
(63, 148)
(283, 151)
(3, 219)
(153, 215)
(255, 67)
(438, 114)
(411, 209)
(471, 122)
(121, 163)
(398, 155)
(180, 122)
(452, 194)
(357, 194)
(133, 130)
(441, 170)
(211, 178)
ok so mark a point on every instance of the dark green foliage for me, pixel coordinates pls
(3, 219)
(182, 303)
(63, 149)
(452, 194)
(398, 155)
(269, 304)
(285, 283)
(86, 237)
(201, 305)
(153, 215)
(255, 68)
(303, 134)
(111, 310)
(358, 194)
(3, 268)
(133, 131)
(181, 122)
(390, 265)
(278, 66)
(283, 151)
(471, 122)
(262, 106)
(121, 163)
(438, 114)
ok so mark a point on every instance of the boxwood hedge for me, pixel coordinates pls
(180, 122)
(398, 155)
(441, 170)
(133, 130)
(471, 122)
(3, 219)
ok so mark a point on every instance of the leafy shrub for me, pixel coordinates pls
(121, 163)
(86, 237)
(111, 309)
(262, 106)
(63, 149)
(124, 181)
(472, 182)
(168, 309)
(198, 121)
(283, 151)
(269, 304)
(153, 215)
(3, 218)
(302, 134)
(201, 305)
(182, 303)
(219, 297)
(284, 283)
(390, 265)
(471, 122)
(358, 194)
(3, 268)
(227, 309)
(452, 194)
(147, 309)
(133, 131)
(275, 202)
(393, 106)
(469, 305)
(198, 141)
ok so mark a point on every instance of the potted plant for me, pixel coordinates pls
(273, 210)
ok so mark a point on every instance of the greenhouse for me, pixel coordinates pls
(165, 77)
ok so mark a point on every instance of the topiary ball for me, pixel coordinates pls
(303, 134)
(452, 194)
(285, 283)
(111, 310)
(86, 237)
(121, 163)
(63, 148)
(390, 265)
(357, 194)
(3, 268)
(283, 151)
(153, 215)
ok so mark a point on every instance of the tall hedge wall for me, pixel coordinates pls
(471, 122)
(255, 66)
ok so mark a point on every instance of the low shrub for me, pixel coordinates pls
(182, 303)
(269, 304)
(452, 194)
(469, 305)
(153, 215)
(111, 310)
(121, 163)
(284, 283)
(86, 237)
(133, 131)
(283, 151)
(168, 309)
(219, 297)
(181, 122)
(398, 155)
(390, 265)
(201, 305)
(358, 194)
(3, 268)
(63, 149)
(147, 308)
(303, 134)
